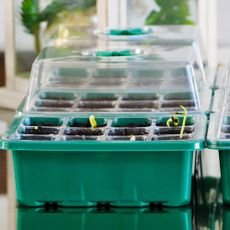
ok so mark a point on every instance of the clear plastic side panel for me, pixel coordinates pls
(146, 36)
(219, 130)
(109, 53)
(219, 126)
(81, 86)
(222, 77)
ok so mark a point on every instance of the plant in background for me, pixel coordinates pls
(32, 16)
(173, 12)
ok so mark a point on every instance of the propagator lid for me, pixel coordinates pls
(64, 77)
(146, 36)
(171, 53)
(219, 125)
(222, 79)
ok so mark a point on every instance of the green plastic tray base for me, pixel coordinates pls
(226, 218)
(121, 178)
(225, 174)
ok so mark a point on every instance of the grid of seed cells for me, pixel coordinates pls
(119, 79)
(109, 102)
(120, 129)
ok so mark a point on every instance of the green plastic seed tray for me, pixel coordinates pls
(219, 138)
(88, 219)
(126, 84)
(126, 160)
(226, 218)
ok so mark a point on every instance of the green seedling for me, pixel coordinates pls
(132, 138)
(175, 120)
(93, 121)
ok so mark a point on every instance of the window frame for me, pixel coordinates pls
(110, 14)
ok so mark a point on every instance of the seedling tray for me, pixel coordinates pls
(87, 219)
(70, 101)
(118, 86)
(113, 102)
(63, 160)
(219, 138)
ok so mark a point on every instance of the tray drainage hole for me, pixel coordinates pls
(103, 206)
(60, 96)
(131, 122)
(140, 97)
(162, 121)
(42, 121)
(50, 206)
(156, 206)
(84, 122)
(99, 97)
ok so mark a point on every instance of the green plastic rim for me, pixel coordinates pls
(72, 145)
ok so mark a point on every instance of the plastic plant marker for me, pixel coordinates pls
(132, 138)
(93, 121)
(184, 120)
